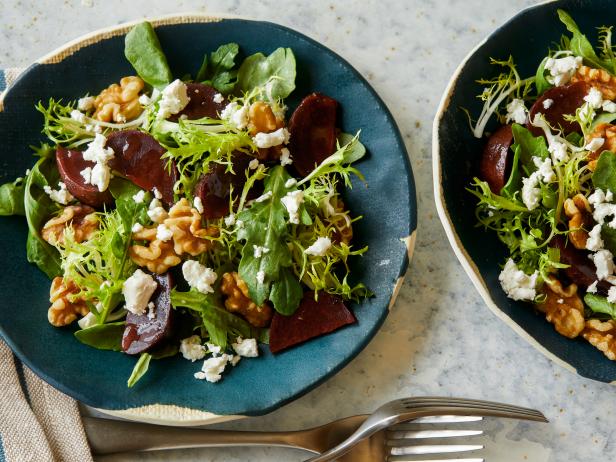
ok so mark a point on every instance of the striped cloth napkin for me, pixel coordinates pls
(37, 422)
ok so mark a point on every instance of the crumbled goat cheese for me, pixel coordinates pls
(99, 176)
(611, 294)
(198, 203)
(138, 198)
(235, 360)
(253, 164)
(285, 157)
(609, 106)
(246, 347)
(214, 349)
(547, 103)
(290, 183)
(292, 201)
(173, 99)
(145, 100)
(562, 69)
(96, 150)
(78, 116)
(218, 98)
(594, 144)
(602, 208)
(156, 212)
(516, 111)
(199, 276)
(320, 247)
(61, 195)
(239, 223)
(163, 233)
(192, 349)
(137, 291)
(88, 320)
(213, 368)
(260, 277)
(151, 310)
(259, 251)
(236, 114)
(594, 241)
(230, 220)
(544, 168)
(264, 197)
(157, 194)
(559, 150)
(268, 140)
(531, 193)
(517, 284)
(604, 262)
(137, 228)
(592, 289)
(86, 103)
(594, 98)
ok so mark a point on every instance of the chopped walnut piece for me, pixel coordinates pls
(580, 216)
(64, 308)
(119, 103)
(261, 119)
(158, 256)
(563, 308)
(601, 79)
(238, 301)
(80, 218)
(602, 334)
(189, 235)
(608, 133)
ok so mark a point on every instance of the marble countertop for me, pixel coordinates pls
(440, 338)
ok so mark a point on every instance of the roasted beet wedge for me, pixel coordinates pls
(312, 319)
(138, 158)
(201, 103)
(70, 164)
(214, 187)
(581, 271)
(313, 132)
(565, 100)
(495, 159)
(141, 332)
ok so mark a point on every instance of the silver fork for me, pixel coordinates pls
(406, 409)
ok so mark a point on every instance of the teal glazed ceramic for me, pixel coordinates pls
(169, 393)
(456, 154)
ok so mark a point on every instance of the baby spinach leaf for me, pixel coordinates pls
(286, 292)
(608, 234)
(274, 75)
(541, 84)
(530, 146)
(604, 176)
(599, 304)
(103, 336)
(143, 51)
(218, 71)
(140, 369)
(12, 198)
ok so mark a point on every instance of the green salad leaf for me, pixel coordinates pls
(143, 51)
(218, 71)
(530, 146)
(103, 336)
(272, 77)
(541, 83)
(12, 198)
(141, 367)
(514, 183)
(599, 304)
(604, 176)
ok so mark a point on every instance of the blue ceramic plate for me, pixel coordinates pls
(456, 154)
(169, 392)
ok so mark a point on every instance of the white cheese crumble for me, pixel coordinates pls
(259, 251)
(236, 115)
(163, 233)
(213, 368)
(218, 98)
(285, 157)
(268, 140)
(137, 291)
(198, 203)
(264, 197)
(230, 220)
(291, 202)
(157, 194)
(531, 193)
(99, 176)
(594, 98)
(151, 310)
(611, 294)
(88, 320)
(192, 349)
(602, 208)
(214, 349)
(139, 197)
(253, 164)
(238, 223)
(173, 99)
(517, 284)
(60, 195)
(156, 212)
(96, 150)
(320, 247)
(562, 69)
(246, 347)
(145, 100)
(609, 106)
(198, 276)
(235, 360)
(544, 169)
(516, 111)
(290, 183)
(604, 262)
(557, 146)
(260, 277)
(86, 103)
(594, 241)
(78, 116)
(547, 103)
(137, 228)
(592, 289)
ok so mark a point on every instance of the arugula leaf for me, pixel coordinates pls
(103, 336)
(141, 367)
(273, 77)
(604, 176)
(12, 198)
(143, 51)
(530, 146)
(218, 70)
(286, 292)
(514, 183)
(541, 83)
(599, 304)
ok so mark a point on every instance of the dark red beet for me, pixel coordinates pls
(312, 319)
(138, 157)
(313, 132)
(70, 164)
(566, 99)
(201, 103)
(581, 271)
(214, 187)
(495, 163)
(142, 333)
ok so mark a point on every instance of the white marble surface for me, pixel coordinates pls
(440, 338)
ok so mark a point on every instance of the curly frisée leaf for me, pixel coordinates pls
(143, 51)
(272, 77)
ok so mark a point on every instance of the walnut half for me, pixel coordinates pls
(580, 216)
(119, 103)
(602, 334)
(598, 78)
(63, 311)
(81, 218)
(563, 308)
(238, 301)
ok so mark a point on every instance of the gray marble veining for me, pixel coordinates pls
(440, 338)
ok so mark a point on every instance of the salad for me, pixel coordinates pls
(547, 180)
(191, 216)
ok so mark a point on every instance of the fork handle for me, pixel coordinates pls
(109, 437)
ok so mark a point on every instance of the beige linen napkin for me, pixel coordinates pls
(37, 422)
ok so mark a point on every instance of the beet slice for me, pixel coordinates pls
(313, 132)
(566, 99)
(70, 164)
(312, 319)
(581, 271)
(138, 158)
(201, 103)
(141, 332)
(495, 163)
(214, 187)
